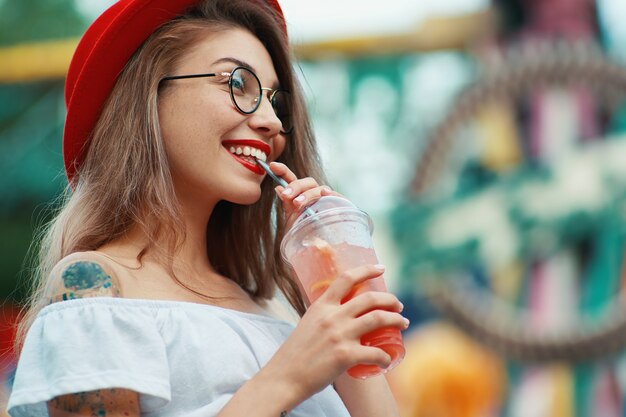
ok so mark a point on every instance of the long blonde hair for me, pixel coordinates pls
(125, 180)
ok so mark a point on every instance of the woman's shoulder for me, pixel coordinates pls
(83, 275)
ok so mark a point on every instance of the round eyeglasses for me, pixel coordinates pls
(246, 93)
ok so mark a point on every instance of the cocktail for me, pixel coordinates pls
(333, 236)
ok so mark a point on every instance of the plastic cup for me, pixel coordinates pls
(329, 238)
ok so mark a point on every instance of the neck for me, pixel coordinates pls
(192, 254)
(190, 258)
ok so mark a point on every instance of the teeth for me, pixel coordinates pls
(249, 151)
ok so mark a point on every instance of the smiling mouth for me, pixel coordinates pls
(246, 152)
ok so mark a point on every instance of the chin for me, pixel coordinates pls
(247, 202)
(245, 199)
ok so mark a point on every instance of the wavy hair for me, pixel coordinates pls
(125, 181)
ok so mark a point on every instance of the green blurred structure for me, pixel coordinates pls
(31, 127)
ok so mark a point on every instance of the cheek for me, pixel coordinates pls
(180, 133)
(177, 115)
(278, 146)
(184, 124)
(169, 119)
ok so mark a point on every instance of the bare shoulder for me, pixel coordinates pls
(84, 275)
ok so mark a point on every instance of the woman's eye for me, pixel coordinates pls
(238, 86)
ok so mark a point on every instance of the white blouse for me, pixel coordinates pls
(184, 359)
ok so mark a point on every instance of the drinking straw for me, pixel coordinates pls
(279, 181)
(267, 169)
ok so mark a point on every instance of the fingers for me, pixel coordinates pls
(300, 192)
(341, 287)
(368, 355)
(328, 191)
(377, 319)
(300, 189)
(281, 170)
(372, 300)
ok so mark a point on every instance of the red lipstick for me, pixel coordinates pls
(248, 161)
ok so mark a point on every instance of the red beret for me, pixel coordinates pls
(100, 56)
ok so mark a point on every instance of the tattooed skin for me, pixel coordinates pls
(86, 279)
(101, 403)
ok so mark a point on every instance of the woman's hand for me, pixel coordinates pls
(299, 193)
(327, 340)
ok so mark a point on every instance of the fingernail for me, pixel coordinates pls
(406, 322)
(401, 306)
(380, 267)
(299, 199)
(287, 191)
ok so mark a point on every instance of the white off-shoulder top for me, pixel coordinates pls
(184, 359)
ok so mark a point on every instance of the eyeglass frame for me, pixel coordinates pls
(272, 91)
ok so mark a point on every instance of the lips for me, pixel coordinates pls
(248, 149)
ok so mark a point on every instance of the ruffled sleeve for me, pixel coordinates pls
(86, 345)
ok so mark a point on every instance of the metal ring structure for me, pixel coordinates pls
(478, 312)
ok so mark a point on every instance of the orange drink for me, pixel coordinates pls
(321, 247)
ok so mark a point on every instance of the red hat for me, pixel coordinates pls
(99, 58)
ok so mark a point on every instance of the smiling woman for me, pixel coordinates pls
(154, 292)
(240, 114)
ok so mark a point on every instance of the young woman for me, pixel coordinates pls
(156, 274)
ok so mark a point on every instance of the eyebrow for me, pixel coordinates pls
(239, 62)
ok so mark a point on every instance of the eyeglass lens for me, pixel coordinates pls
(246, 93)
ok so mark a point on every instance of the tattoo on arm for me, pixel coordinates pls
(81, 279)
(112, 402)
(86, 279)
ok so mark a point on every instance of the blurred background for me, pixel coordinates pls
(486, 140)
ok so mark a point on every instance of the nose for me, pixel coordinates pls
(264, 118)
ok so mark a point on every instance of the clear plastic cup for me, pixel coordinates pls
(328, 238)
